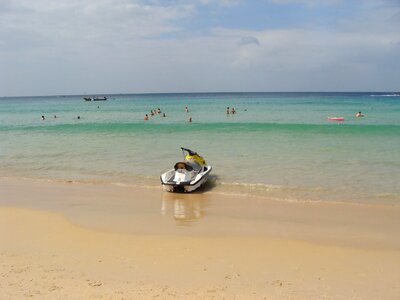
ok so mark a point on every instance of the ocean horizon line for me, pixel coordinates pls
(209, 93)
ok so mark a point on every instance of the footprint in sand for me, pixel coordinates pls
(95, 284)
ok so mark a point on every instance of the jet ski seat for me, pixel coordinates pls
(183, 166)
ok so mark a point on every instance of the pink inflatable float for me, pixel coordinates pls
(336, 118)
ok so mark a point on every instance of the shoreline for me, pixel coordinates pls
(79, 241)
(128, 209)
(215, 187)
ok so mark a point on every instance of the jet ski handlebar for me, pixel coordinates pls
(189, 151)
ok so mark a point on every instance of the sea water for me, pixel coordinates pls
(276, 145)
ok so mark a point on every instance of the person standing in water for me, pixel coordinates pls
(359, 114)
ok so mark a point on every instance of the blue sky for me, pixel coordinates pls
(128, 46)
(261, 15)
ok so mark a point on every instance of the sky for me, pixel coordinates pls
(67, 47)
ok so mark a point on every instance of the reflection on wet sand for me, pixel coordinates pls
(185, 208)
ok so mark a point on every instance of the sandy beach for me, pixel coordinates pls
(62, 240)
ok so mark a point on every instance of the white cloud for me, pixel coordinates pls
(86, 22)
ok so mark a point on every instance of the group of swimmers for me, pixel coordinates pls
(190, 120)
(187, 111)
(55, 117)
(231, 111)
(153, 113)
(158, 111)
(43, 117)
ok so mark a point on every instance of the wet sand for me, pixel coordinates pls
(86, 241)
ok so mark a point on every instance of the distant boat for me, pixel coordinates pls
(87, 98)
(99, 98)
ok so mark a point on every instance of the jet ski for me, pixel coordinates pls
(187, 175)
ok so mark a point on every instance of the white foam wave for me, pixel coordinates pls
(385, 95)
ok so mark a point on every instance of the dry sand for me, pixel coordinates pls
(81, 241)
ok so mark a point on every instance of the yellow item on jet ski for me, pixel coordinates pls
(200, 160)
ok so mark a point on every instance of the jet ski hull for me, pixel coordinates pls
(171, 185)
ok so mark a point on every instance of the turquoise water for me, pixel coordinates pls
(277, 145)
